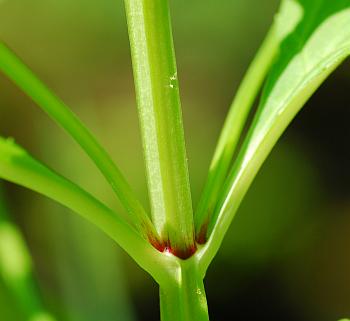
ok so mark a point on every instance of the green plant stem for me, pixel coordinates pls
(161, 125)
(17, 166)
(24, 78)
(232, 132)
(182, 298)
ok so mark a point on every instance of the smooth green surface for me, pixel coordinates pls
(25, 79)
(285, 21)
(183, 298)
(319, 43)
(160, 116)
(18, 167)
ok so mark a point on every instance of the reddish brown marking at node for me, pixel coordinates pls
(156, 243)
(165, 247)
(184, 253)
(202, 235)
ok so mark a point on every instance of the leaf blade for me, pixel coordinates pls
(291, 83)
(284, 22)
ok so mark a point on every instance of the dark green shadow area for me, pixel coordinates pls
(3, 209)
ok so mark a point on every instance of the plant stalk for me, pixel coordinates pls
(160, 116)
(183, 298)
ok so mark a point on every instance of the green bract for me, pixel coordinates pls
(306, 42)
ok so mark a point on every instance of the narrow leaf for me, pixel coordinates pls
(319, 43)
(21, 75)
(285, 21)
(17, 166)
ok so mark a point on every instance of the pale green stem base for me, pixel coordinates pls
(184, 299)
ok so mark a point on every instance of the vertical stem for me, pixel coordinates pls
(184, 299)
(161, 125)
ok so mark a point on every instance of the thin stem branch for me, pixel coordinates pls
(18, 167)
(161, 125)
(231, 134)
(24, 78)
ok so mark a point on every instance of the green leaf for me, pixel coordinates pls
(17, 166)
(16, 268)
(308, 55)
(161, 125)
(25, 79)
(284, 23)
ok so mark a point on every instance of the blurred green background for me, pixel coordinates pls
(286, 256)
